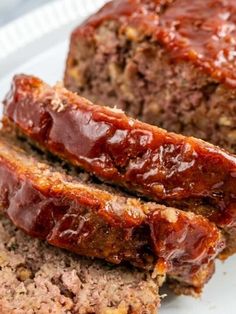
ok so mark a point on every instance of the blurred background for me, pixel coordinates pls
(11, 9)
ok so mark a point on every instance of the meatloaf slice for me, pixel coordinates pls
(37, 278)
(71, 212)
(169, 63)
(183, 172)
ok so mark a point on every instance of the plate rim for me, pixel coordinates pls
(40, 21)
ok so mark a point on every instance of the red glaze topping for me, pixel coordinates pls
(200, 31)
(92, 222)
(143, 158)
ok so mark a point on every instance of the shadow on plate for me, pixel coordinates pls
(168, 295)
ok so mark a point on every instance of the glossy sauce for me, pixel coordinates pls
(89, 223)
(200, 31)
(143, 158)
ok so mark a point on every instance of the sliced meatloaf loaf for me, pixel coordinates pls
(71, 212)
(171, 63)
(36, 278)
(178, 171)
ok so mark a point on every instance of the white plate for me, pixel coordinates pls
(37, 44)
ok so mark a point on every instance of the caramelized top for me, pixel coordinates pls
(142, 158)
(200, 31)
(73, 214)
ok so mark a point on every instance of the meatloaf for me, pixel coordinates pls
(178, 171)
(171, 63)
(37, 278)
(69, 211)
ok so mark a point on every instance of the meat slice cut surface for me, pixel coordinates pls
(69, 211)
(38, 278)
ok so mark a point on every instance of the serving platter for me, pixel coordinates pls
(37, 43)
